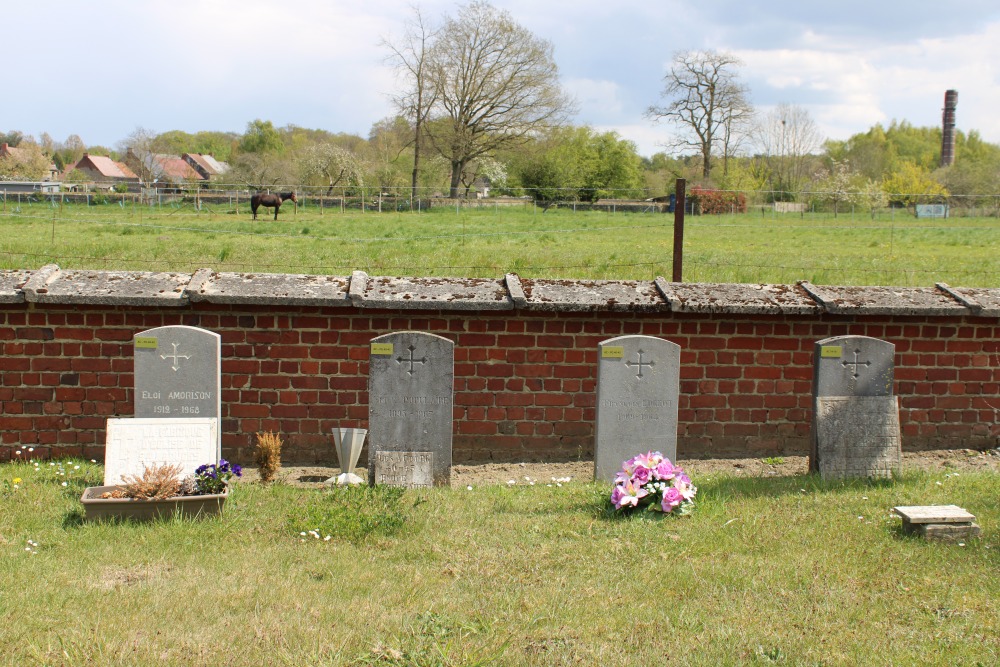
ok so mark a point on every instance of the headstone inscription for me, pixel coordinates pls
(410, 404)
(133, 444)
(855, 429)
(638, 381)
(178, 374)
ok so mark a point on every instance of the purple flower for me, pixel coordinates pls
(671, 499)
(665, 470)
(641, 475)
(627, 495)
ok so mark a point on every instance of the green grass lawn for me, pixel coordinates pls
(488, 242)
(787, 570)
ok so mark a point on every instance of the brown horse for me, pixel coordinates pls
(270, 201)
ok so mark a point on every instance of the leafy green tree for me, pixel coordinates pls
(911, 184)
(261, 137)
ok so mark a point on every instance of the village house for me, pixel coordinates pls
(206, 165)
(103, 170)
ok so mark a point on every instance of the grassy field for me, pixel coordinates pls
(787, 570)
(488, 242)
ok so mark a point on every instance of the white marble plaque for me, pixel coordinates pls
(133, 444)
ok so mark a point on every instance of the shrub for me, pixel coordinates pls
(713, 202)
(156, 483)
(267, 455)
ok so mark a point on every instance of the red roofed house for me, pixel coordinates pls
(102, 169)
(206, 165)
(161, 168)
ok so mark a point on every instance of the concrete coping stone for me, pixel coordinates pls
(872, 300)
(593, 295)
(933, 514)
(982, 301)
(126, 288)
(436, 294)
(754, 299)
(12, 284)
(269, 289)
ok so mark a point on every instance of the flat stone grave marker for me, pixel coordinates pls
(855, 429)
(638, 381)
(178, 374)
(937, 522)
(133, 444)
(411, 386)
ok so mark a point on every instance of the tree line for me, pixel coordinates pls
(478, 104)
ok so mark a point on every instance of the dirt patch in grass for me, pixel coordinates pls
(948, 460)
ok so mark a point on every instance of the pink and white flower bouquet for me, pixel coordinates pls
(650, 480)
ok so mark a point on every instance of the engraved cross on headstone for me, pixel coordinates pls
(411, 360)
(855, 363)
(175, 357)
(640, 363)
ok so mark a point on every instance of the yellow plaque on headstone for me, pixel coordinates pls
(831, 351)
(146, 342)
(612, 352)
(382, 349)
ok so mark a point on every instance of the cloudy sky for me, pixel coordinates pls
(101, 68)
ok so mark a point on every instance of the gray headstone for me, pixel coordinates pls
(410, 397)
(637, 385)
(178, 375)
(133, 444)
(855, 429)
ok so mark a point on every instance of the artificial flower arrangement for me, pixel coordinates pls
(650, 480)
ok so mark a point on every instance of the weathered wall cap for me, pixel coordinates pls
(593, 295)
(12, 285)
(112, 288)
(436, 294)
(872, 300)
(754, 299)
(270, 289)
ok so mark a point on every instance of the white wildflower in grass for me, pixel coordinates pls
(327, 538)
(31, 449)
(18, 452)
(468, 488)
(302, 534)
(511, 482)
(64, 484)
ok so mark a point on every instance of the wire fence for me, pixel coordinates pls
(343, 199)
(883, 243)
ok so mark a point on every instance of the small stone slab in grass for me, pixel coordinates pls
(593, 295)
(937, 522)
(754, 299)
(870, 300)
(436, 293)
(269, 289)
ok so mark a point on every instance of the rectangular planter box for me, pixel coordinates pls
(95, 507)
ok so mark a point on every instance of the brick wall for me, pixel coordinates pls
(524, 380)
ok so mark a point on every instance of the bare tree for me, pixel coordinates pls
(411, 58)
(785, 137)
(708, 103)
(495, 85)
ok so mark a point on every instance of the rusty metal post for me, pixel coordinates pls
(679, 230)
